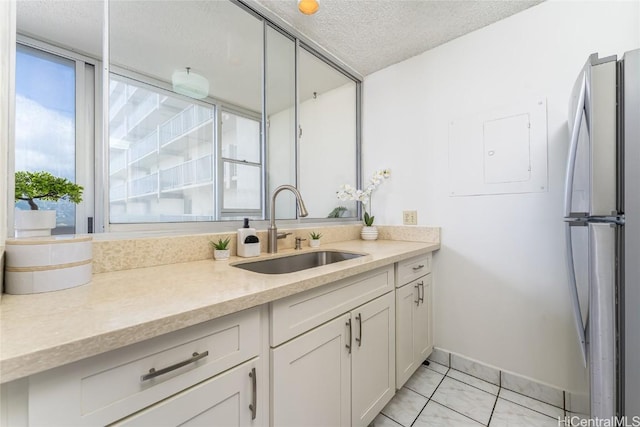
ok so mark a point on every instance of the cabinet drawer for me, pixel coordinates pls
(110, 386)
(299, 313)
(226, 400)
(412, 268)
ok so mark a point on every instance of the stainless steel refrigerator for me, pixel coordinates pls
(602, 217)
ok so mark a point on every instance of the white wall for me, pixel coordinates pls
(282, 159)
(500, 281)
(327, 149)
(327, 152)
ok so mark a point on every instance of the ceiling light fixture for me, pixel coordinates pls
(190, 84)
(308, 7)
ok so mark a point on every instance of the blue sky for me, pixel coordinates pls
(45, 113)
(49, 82)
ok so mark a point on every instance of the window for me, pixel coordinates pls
(242, 166)
(47, 125)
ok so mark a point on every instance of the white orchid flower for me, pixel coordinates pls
(347, 192)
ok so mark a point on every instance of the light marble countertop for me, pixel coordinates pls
(43, 331)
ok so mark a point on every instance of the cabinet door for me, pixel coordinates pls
(423, 325)
(414, 327)
(311, 378)
(226, 400)
(373, 358)
(407, 303)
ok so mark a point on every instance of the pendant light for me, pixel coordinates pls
(308, 7)
(190, 84)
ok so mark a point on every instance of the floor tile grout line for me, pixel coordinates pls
(531, 409)
(478, 378)
(442, 404)
(500, 388)
(429, 367)
(434, 390)
(445, 406)
(532, 398)
(457, 412)
(419, 413)
(394, 421)
(477, 388)
(430, 399)
(494, 408)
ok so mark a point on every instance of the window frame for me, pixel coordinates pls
(87, 105)
(221, 211)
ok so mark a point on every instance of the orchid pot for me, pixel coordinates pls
(369, 232)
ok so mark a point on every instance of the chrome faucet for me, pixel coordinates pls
(272, 232)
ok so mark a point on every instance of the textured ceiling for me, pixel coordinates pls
(369, 35)
(220, 41)
(217, 39)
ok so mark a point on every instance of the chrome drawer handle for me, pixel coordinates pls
(421, 266)
(348, 345)
(359, 338)
(253, 407)
(421, 298)
(153, 373)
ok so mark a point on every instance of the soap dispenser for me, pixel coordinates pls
(248, 243)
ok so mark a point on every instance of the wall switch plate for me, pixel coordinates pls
(410, 217)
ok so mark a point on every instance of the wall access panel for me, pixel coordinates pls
(499, 152)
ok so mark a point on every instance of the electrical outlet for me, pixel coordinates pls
(410, 217)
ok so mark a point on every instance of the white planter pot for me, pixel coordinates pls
(314, 243)
(47, 264)
(36, 223)
(369, 233)
(221, 255)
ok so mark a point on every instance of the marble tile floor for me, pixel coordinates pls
(438, 396)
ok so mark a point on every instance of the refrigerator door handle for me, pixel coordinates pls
(573, 144)
(573, 291)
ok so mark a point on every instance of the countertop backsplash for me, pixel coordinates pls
(125, 254)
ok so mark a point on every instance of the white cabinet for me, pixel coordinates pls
(372, 358)
(227, 400)
(301, 312)
(414, 322)
(329, 356)
(311, 378)
(341, 373)
(111, 386)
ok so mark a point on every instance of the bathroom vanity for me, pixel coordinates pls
(213, 344)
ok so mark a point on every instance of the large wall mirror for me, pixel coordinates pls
(327, 136)
(210, 109)
(185, 112)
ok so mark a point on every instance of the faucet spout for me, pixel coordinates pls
(273, 230)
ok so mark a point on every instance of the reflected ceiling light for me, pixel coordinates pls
(308, 7)
(190, 84)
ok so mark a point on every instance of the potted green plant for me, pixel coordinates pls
(314, 239)
(32, 186)
(369, 231)
(221, 249)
